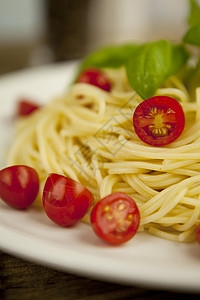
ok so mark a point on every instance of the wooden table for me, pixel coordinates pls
(24, 280)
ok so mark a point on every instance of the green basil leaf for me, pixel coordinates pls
(179, 56)
(192, 36)
(112, 56)
(149, 67)
(194, 14)
(191, 78)
(152, 64)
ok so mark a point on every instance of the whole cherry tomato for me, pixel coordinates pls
(19, 186)
(115, 218)
(65, 201)
(95, 77)
(26, 107)
(159, 120)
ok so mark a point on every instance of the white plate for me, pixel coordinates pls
(146, 260)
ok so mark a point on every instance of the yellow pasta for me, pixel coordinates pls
(87, 134)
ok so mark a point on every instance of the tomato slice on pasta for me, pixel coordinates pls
(115, 218)
(95, 77)
(26, 107)
(19, 185)
(159, 120)
(65, 200)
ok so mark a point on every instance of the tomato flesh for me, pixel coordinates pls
(26, 107)
(95, 77)
(19, 186)
(65, 201)
(115, 218)
(159, 120)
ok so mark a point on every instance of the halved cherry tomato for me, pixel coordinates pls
(115, 218)
(65, 201)
(198, 234)
(95, 77)
(19, 186)
(26, 107)
(159, 120)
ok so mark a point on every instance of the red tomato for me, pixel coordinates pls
(115, 218)
(65, 201)
(95, 77)
(26, 107)
(19, 186)
(198, 234)
(159, 120)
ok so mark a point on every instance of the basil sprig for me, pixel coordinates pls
(113, 56)
(194, 13)
(192, 36)
(147, 65)
(192, 72)
(153, 64)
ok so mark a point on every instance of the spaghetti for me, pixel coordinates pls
(87, 134)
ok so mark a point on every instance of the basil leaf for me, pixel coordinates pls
(109, 57)
(192, 36)
(149, 67)
(179, 55)
(194, 14)
(152, 64)
(191, 78)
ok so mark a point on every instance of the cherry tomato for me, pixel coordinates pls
(19, 186)
(115, 218)
(159, 120)
(26, 107)
(95, 77)
(65, 201)
(198, 234)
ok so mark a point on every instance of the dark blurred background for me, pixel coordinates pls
(34, 32)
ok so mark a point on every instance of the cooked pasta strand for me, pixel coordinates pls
(87, 134)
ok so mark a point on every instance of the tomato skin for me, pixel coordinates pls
(65, 201)
(19, 186)
(95, 77)
(159, 120)
(112, 224)
(198, 234)
(26, 107)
